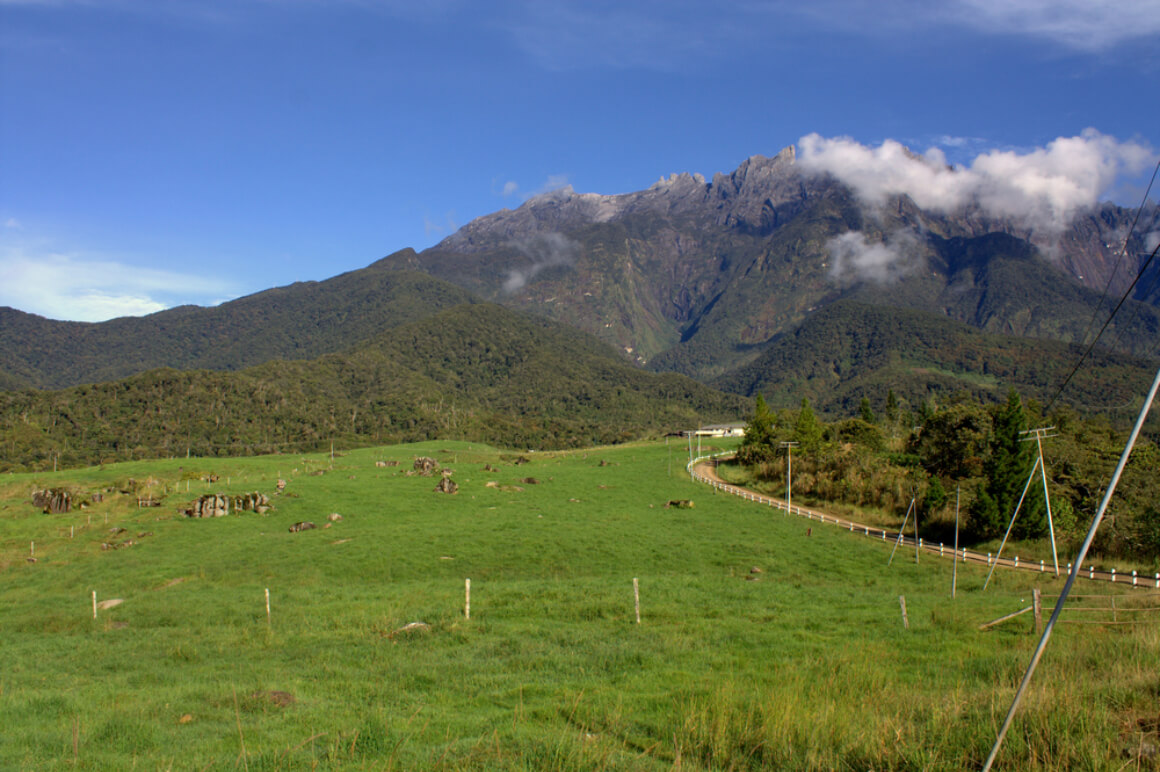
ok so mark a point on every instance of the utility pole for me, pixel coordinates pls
(1083, 550)
(1038, 466)
(789, 446)
(1040, 436)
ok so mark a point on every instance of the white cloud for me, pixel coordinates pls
(435, 228)
(1086, 25)
(1042, 189)
(852, 254)
(80, 288)
(510, 188)
(667, 35)
(1039, 191)
(544, 250)
(555, 182)
(1151, 240)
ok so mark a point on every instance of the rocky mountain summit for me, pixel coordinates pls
(695, 276)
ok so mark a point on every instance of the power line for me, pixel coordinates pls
(1120, 257)
(1092, 345)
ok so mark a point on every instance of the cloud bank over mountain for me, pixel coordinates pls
(1040, 190)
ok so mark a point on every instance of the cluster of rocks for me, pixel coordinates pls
(384, 464)
(679, 504)
(447, 485)
(55, 501)
(425, 466)
(210, 505)
(219, 505)
(306, 525)
(252, 502)
(124, 544)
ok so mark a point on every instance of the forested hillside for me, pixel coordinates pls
(300, 321)
(850, 350)
(474, 371)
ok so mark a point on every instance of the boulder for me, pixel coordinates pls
(209, 505)
(251, 502)
(447, 485)
(302, 526)
(425, 466)
(55, 501)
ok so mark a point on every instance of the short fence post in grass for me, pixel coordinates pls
(1041, 567)
(32, 549)
(1133, 578)
(902, 602)
(636, 597)
(1091, 572)
(954, 563)
(1036, 609)
(1016, 561)
(467, 599)
(72, 531)
(1158, 581)
(267, 605)
(94, 604)
(1113, 576)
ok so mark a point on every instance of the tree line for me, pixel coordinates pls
(886, 459)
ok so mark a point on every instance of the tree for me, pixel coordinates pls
(865, 413)
(952, 441)
(760, 440)
(893, 409)
(1005, 472)
(807, 431)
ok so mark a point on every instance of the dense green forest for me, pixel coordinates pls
(895, 452)
(475, 371)
(850, 350)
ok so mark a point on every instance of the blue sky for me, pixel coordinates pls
(160, 152)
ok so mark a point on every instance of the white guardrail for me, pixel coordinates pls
(893, 536)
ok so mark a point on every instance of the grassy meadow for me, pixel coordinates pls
(804, 664)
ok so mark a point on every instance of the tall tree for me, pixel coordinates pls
(807, 431)
(760, 440)
(1006, 471)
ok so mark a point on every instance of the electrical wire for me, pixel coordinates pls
(1120, 257)
(1092, 345)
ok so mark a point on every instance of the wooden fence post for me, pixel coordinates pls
(1037, 609)
(902, 602)
(636, 597)
(467, 599)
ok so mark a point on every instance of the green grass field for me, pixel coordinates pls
(805, 665)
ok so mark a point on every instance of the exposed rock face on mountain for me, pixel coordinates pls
(694, 276)
(697, 276)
